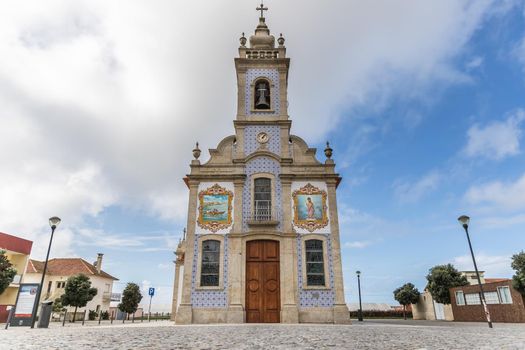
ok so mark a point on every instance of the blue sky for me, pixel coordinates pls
(416, 171)
(423, 103)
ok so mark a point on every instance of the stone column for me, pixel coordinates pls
(239, 134)
(238, 186)
(235, 309)
(283, 86)
(341, 313)
(241, 94)
(286, 198)
(178, 262)
(184, 312)
(290, 312)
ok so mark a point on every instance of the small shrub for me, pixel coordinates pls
(105, 315)
(92, 315)
(381, 314)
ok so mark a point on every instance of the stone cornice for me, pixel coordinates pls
(274, 121)
(215, 177)
(268, 233)
(244, 63)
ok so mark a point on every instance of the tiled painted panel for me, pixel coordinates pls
(250, 138)
(273, 76)
(315, 298)
(321, 185)
(261, 165)
(209, 298)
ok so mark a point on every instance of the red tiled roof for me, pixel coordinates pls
(495, 280)
(66, 267)
(15, 244)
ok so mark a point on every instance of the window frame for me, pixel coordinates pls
(272, 195)
(499, 288)
(479, 298)
(272, 95)
(201, 239)
(326, 261)
(490, 300)
(462, 298)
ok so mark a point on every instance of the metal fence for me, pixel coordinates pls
(108, 317)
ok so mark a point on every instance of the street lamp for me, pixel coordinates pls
(53, 222)
(464, 221)
(360, 312)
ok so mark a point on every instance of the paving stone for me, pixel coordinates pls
(365, 335)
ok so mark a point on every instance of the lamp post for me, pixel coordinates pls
(360, 312)
(464, 221)
(53, 222)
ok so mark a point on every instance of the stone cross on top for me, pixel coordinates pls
(262, 9)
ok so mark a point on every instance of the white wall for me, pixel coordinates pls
(96, 282)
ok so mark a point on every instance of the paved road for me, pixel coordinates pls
(366, 335)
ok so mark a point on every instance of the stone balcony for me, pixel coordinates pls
(262, 215)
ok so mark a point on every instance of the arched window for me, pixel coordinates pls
(210, 263)
(262, 94)
(262, 195)
(314, 262)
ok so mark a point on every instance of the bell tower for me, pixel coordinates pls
(262, 92)
(262, 241)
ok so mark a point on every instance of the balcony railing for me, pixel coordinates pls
(262, 210)
(268, 54)
(262, 214)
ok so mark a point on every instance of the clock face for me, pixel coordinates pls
(263, 137)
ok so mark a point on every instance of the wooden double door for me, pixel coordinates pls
(263, 300)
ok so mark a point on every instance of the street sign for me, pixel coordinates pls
(151, 293)
(25, 302)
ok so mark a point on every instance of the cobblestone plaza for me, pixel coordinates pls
(367, 335)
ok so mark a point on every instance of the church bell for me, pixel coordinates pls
(262, 101)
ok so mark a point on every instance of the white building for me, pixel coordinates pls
(60, 269)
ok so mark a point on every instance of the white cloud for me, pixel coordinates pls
(410, 192)
(519, 52)
(357, 244)
(474, 63)
(164, 266)
(497, 140)
(499, 195)
(495, 266)
(145, 242)
(102, 103)
(501, 222)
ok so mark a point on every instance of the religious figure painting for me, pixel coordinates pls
(310, 210)
(215, 208)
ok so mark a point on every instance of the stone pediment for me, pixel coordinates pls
(224, 152)
(262, 153)
(301, 153)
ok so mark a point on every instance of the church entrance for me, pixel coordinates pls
(262, 282)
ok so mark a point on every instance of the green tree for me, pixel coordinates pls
(7, 272)
(131, 298)
(518, 264)
(405, 295)
(57, 305)
(78, 292)
(441, 278)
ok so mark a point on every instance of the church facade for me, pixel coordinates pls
(262, 242)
